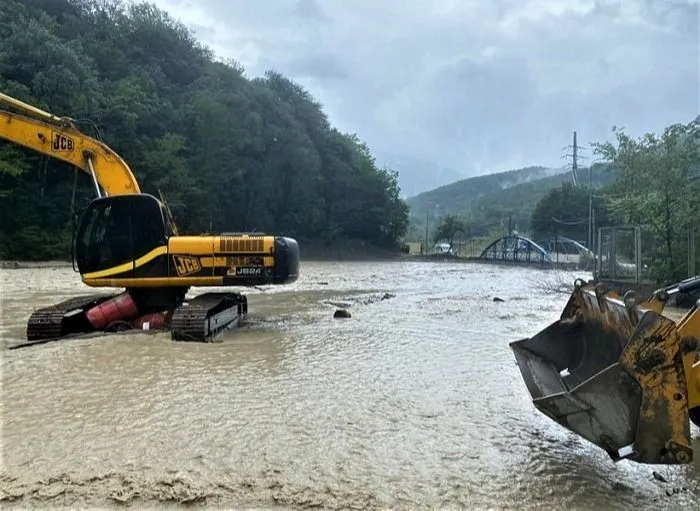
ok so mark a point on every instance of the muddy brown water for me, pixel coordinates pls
(414, 402)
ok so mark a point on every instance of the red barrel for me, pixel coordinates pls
(120, 307)
(154, 321)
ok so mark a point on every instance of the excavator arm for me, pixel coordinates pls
(59, 137)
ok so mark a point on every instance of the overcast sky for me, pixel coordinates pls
(478, 85)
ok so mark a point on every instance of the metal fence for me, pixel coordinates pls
(637, 254)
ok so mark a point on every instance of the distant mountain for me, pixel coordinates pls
(416, 175)
(490, 201)
(459, 196)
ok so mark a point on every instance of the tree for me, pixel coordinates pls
(564, 211)
(658, 185)
(448, 229)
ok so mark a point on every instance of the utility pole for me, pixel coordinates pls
(575, 156)
(426, 231)
(590, 207)
(428, 209)
(510, 224)
(574, 167)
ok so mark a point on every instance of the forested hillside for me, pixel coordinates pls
(239, 153)
(489, 202)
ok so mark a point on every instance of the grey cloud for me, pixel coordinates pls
(311, 9)
(477, 86)
(202, 32)
(321, 67)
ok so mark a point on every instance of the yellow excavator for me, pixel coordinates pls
(128, 239)
(619, 373)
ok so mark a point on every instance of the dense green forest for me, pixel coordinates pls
(238, 153)
(489, 203)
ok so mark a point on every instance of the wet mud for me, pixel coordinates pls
(413, 402)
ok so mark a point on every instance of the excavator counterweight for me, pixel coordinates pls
(618, 373)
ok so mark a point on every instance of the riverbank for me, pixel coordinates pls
(344, 250)
(307, 256)
(350, 250)
(343, 253)
(316, 257)
(308, 253)
(17, 265)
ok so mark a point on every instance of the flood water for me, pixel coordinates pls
(415, 402)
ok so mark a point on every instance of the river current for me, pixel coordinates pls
(414, 402)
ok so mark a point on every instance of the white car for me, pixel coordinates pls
(443, 248)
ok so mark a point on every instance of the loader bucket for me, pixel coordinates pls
(613, 374)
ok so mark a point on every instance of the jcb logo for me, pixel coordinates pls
(186, 265)
(62, 143)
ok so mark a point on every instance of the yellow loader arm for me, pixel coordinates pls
(618, 373)
(58, 137)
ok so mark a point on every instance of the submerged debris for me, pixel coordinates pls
(376, 298)
(659, 477)
(618, 486)
(361, 300)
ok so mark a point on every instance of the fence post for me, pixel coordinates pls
(638, 255)
(598, 267)
(613, 253)
(691, 251)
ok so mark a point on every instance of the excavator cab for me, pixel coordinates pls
(116, 230)
(618, 373)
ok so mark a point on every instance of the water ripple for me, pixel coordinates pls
(414, 401)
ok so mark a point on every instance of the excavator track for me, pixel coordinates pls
(62, 319)
(201, 318)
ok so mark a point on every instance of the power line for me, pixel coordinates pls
(571, 222)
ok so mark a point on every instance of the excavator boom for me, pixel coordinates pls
(618, 373)
(59, 138)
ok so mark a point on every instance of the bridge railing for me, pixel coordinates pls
(515, 248)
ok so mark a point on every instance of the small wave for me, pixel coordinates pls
(268, 488)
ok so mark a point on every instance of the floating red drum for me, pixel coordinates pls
(120, 307)
(154, 321)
